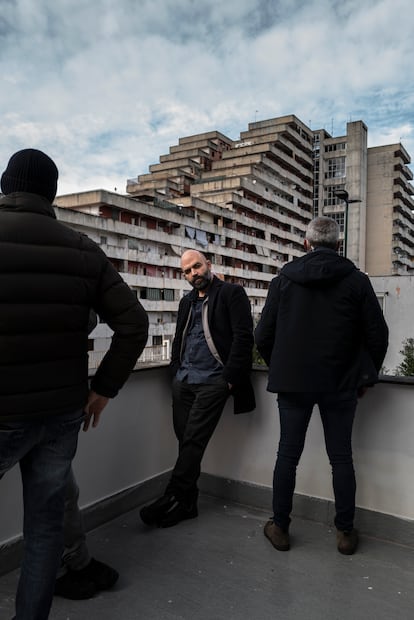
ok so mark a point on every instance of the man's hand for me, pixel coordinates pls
(93, 409)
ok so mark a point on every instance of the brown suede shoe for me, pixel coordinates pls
(347, 542)
(278, 537)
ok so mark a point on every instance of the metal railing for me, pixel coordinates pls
(150, 355)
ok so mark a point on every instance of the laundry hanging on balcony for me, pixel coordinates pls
(190, 232)
(201, 237)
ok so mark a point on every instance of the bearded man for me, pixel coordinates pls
(211, 358)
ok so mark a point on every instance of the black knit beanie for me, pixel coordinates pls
(31, 171)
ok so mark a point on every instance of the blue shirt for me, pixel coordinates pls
(198, 364)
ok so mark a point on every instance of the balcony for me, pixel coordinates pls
(220, 566)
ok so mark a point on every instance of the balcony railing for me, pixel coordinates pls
(151, 355)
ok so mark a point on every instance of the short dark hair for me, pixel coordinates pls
(323, 232)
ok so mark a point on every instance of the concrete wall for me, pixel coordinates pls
(398, 307)
(244, 449)
(380, 200)
(135, 442)
(356, 185)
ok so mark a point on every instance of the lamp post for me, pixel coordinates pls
(342, 194)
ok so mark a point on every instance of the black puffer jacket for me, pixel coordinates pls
(50, 278)
(322, 328)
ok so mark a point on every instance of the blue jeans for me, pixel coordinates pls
(44, 450)
(337, 413)
(75, 555)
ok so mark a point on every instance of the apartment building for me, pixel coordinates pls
(390, 212)
(262, 184)
(378, 221)
(143, 244)
(247, 203)
(340, 164)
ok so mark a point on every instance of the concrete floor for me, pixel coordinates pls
(221, 567)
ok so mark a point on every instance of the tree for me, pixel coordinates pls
(406, 368)
(257, 358)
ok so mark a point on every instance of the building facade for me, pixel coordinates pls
(378, 222)
(247, 203)
(390, 215)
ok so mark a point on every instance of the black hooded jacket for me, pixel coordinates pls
(322, 328)
(50, 278)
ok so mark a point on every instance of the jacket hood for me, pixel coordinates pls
(320, 266)
(24, 202)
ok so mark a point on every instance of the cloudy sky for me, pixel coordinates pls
(107, 86)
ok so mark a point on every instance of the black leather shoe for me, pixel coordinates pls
(153, 513)
(179, 512)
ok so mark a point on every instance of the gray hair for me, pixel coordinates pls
(323, 231)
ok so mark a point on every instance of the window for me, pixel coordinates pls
(330, 198)
(150, 293)
(339, 146)
(336, 168)
(157, 294)
(381, 300)
(168, 294)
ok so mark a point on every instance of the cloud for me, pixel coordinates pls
(106, 88)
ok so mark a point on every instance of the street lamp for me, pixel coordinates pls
(342, 194)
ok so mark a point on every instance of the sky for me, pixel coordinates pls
(107, 86)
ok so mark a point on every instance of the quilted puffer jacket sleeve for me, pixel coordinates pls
(117, 305)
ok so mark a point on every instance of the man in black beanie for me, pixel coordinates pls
(30, 171)
(51, 278)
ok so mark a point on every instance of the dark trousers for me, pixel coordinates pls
(75, 555)
(196, 411)
(337, 414)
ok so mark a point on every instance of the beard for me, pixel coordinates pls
(201, 282)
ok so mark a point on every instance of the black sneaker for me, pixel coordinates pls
(153, 513)
(86, 582)
(179, 512)
(74, 586)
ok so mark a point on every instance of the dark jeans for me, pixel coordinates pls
(337, 414)
(75, 555)
(44, 451)
(196, 411)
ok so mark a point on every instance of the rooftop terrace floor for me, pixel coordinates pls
(221, 567)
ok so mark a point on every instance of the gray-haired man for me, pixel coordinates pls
(323, 335)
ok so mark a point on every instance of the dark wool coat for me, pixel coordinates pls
(231, 327)
(50, 278)
(322, 328)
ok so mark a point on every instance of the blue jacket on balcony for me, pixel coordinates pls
(228, 328)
